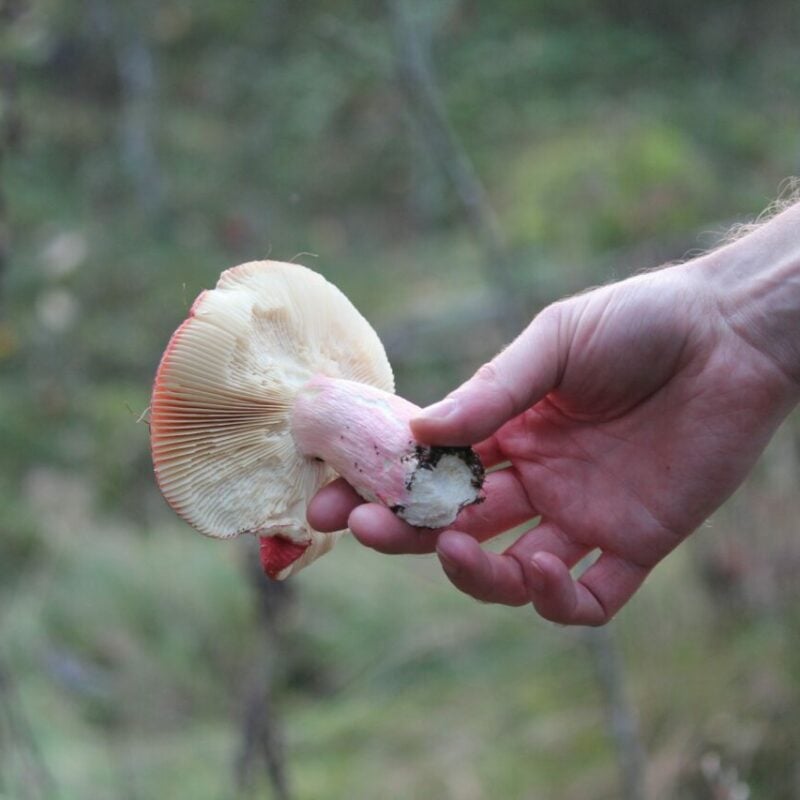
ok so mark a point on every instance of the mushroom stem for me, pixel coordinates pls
(363, 433)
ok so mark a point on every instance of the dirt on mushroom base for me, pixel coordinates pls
(441, 481)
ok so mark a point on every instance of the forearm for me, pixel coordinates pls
(757, 282)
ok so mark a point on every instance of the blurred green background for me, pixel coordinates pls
(453, 166)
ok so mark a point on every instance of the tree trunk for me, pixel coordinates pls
(10, 128)
(123, 26)
(261, 739)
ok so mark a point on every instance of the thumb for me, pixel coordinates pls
(510, 383)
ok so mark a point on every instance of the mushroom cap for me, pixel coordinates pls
(220, 414)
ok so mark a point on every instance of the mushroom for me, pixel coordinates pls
(272, 386)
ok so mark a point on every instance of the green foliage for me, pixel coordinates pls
(277, 129)
(22, 541)
(602, 188)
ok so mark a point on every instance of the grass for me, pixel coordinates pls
(135, 646)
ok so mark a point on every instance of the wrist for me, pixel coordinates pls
(756, 282)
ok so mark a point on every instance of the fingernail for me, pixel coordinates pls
(450, 567)
(536, 575)
(438, 411)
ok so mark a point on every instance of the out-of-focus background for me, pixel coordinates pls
(453, 166)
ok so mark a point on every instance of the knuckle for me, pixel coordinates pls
(497, 387)
(487, 373)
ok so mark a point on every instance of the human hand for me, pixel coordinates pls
(621, 418)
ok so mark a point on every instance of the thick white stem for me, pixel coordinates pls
(363, 433)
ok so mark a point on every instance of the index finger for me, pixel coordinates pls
(331, 506)
(510, 383)
(506, 506)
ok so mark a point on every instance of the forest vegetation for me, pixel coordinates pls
(543, 147)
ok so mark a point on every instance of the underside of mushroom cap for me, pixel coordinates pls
(220, 412)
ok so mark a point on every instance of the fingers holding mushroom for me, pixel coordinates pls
(506, 506)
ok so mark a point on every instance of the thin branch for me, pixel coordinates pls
(10, 126)
(124, 28)
(622, 723)
(29, 777)
(262, 740)
(416, 79)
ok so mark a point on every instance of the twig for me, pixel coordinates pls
(10, 126)
(262, 739)
(622, 722)
(415, 77)
(30, 777)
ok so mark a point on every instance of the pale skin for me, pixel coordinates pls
(619, 420)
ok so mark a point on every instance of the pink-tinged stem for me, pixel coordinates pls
(363, 433)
